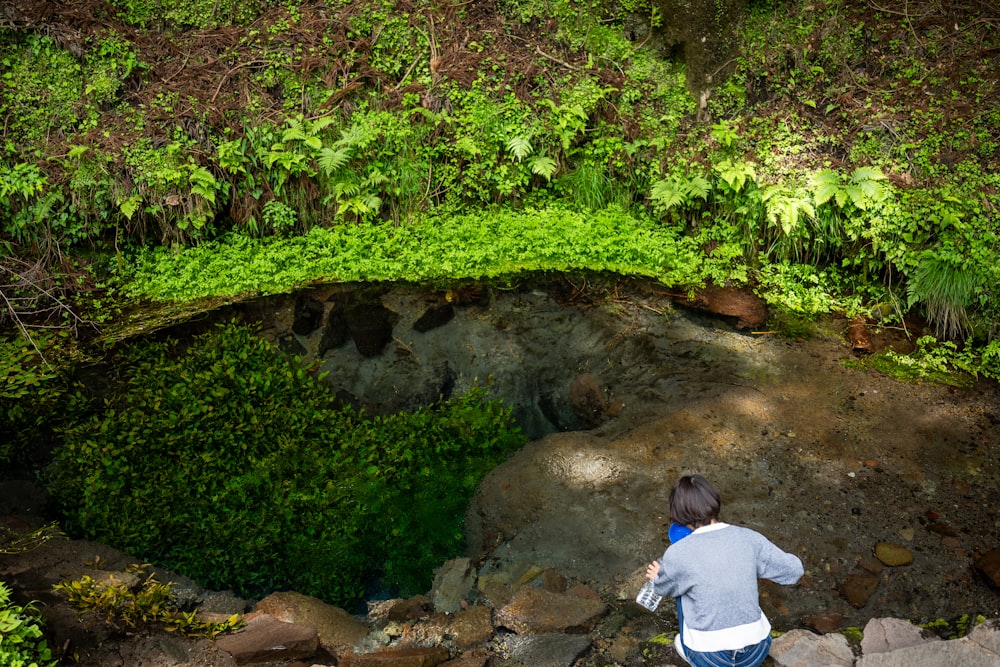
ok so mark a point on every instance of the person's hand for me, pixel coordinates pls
(652, 570)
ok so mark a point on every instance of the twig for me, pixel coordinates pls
(539, 51)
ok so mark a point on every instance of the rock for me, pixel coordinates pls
(586, 397)
(479, 658)
(308, 314)
(471, 627)
(436, 315)
(535, 611)
(882, 635)
(398, 657)
(857, 334)
(336, 333)
(547, 650)
(893, 555)
(801, 648)
(371, 327)
(410, 609)
(334, 626)
(749, 309)
(989, 566)
(858, 588)
(824, 623)
(453, 582)
(266, 639)
(871, 564)
(934, 654)
(987, 635)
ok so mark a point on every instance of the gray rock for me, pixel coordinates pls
(934, 654)
(453, 582)
(882, 635)
(801, 648)
(536, 611)
(546, 650)
(987, 635)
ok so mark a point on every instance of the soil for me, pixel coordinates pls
(826, 459)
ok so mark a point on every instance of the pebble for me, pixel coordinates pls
(893, 555)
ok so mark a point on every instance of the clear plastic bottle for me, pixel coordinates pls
(647, 597)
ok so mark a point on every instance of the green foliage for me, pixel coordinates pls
(938, 362)
(22, 643)
(193, 14)
(143, 605)
(947, 285)
(232, 466)
(494, 243)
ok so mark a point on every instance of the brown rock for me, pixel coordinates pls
(869, 563)
(749, 309)
(398, 657)
(478, 658)
(989, 567)
(535, 611)
(824, 623)
(893, 555)
(266, 639)
(858, 588)
(411, 609)
(586, 397)
(553, 581)
(334, 626)
(941, 528)
(471, 627)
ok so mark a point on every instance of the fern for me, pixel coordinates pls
(543, 166)
(783, 207)
(331, 160)
(519, 147)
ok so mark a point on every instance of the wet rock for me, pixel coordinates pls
(535, 611)
(882, 635)
(942, 528)
(869, 563)
(586, 397)
(801, 648)
(336, 333)
(989, 566)
(858, 588)
(371, 327)
(453, 582)
(749, 309)
(824, 623)
(471, 627)
(479, 658)
(398, 657)
(547, 650)
(334, 626)
(266, 639)
(418, 606)
(893, 555)
(436, 315)
(308, 314)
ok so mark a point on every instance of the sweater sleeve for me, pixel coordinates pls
(777, 565)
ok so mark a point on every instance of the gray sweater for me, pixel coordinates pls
(714, 572)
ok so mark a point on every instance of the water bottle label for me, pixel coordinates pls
(647, 598)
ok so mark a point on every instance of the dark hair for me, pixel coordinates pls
(694, 501)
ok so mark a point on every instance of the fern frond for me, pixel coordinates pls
(331, 160)
(519, 147)
(543, 166)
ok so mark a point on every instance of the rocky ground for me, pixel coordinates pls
(888, 491)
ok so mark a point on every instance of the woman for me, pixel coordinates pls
(713, 573)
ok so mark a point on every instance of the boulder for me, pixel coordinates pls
(546, 650)
(398, 657)
(471, 627)
(266, 639)
(453, 582)
(536, 611)
(882, 635)
(801, 648)
(934, 654)
(334, 626)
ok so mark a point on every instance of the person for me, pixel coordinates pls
(713, 573)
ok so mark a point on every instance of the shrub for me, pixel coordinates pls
(21, 640)
(232, 466)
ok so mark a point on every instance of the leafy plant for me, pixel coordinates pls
(232, 466)
(143, 605)
(22, 642)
